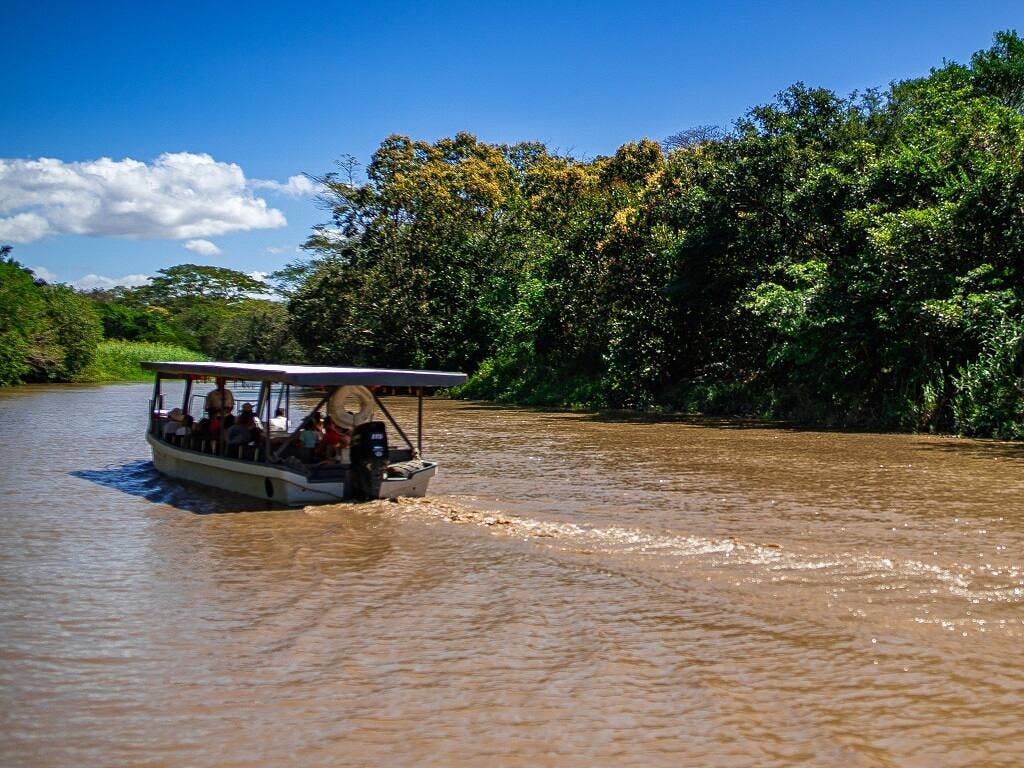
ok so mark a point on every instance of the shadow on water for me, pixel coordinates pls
(140, 478)
(979, 448)
(641, 417)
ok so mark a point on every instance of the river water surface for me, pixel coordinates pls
(577, 591)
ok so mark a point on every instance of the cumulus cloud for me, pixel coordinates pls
(90, 282)
(296, 186)
(177, 196)
(258, 275)
(203, 247)
(22, 227)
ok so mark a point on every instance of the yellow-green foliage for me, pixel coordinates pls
(119, 360)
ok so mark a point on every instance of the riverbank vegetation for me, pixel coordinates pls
(843, 260)
(851, 261)
(187, 312)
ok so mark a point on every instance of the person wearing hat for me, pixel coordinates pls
(247, 409)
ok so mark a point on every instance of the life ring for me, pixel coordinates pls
(343, 417)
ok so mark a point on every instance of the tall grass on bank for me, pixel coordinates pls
(118, 360)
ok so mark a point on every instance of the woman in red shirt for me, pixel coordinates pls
(333, 440)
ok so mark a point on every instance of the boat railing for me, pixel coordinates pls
(293, 456)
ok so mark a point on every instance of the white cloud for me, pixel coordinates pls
(258, 275)
(179, 195)
(89, 282)
(296, 186)
(44, 274)
(22, 227)
(202, 247)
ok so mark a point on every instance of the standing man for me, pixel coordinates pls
(220, 401)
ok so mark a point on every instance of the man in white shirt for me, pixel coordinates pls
(280, 421)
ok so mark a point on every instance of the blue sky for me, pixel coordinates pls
(221, 104)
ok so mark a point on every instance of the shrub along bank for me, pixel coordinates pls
(118, 360)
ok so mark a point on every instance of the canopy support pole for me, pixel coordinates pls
(391, 418)
(419, 421)
(266, 425)
(155, 404)
(188, 395)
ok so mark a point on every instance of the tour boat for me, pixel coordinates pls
(275, 460)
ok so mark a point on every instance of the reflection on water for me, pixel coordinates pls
(579, 590)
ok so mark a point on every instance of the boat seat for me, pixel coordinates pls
(398, 455)
(406, 469)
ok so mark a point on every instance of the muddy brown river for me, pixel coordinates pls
(577, 591)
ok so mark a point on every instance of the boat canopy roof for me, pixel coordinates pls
(310, 375)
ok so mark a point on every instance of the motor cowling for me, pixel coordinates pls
(369, 458)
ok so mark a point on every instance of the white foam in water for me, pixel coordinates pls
(727, 551)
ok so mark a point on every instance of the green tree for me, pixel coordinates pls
(76, 330)
(258, 332)
(186, 284)
(47, 332)
(420, 262)
(22, 319)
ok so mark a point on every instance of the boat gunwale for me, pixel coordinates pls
(258, 468)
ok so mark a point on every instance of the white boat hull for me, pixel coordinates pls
(271, 482)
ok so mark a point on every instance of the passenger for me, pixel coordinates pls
(280, 421)
(309, 436)
(247, 409)
(333, 440)
(221, 400)
(240, 431)
(255, 429)
(186, 427)
(213, 425)
(201, 433)
(209, 428)
(172, 424)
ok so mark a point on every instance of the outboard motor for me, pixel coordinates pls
(369, 459)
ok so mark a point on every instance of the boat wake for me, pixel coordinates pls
(759, 562)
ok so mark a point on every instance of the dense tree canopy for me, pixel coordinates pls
(851, 260)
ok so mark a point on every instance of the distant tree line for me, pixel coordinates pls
(851, 260)
(52, 332)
